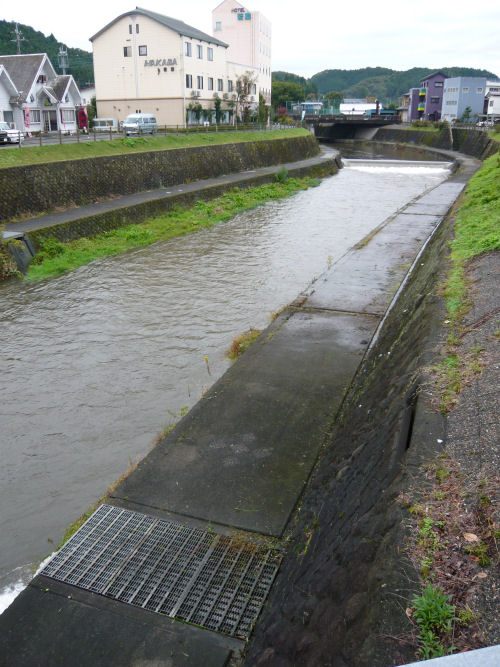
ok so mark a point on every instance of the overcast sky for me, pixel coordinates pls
(309, 37)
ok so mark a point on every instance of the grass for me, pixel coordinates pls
(241, 343)
(122, 145)
(452, 540)
(434, 616)
(477, 230)
(56, 258)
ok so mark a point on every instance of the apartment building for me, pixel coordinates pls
(150, 63)
(249, 37)
(461, 93)
(425, 102)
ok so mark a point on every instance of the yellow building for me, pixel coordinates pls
(149, 63)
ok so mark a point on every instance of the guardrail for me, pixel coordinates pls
(76, 136)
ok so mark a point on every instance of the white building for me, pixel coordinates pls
(248, 34)
(149, 63)
(356, 107)
(34, 98)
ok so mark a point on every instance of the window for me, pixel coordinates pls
(254, 89)
(435, 100)
(479, 90)
(199, 82)
(188, 49)
(130, 29)
(210, 53)
(220, 85)
(491, 103)
(137, 28)
(189, 81)
(68, 115)
(143, 50)
(35, 115)
(438, 84)
(230, 83)
(210, 83)
(199, 51)
(127, 51)
(8, 116)
(465, 90)
(240, 17)
(42, 79)
(218, 25)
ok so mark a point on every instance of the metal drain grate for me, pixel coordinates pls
(211, 580)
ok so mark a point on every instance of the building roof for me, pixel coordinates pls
(174, 24)
(59, 85)
(22, 69)
(429, 76)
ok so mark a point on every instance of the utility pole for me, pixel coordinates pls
(18, 38)
(62, 57)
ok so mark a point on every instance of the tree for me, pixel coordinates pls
(285, 91)
(92, 111)
(466, 115)
(263, 110)
(218, 109)
(334, 97)
(244, 87)
(196, 109)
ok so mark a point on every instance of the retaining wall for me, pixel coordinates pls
(476, 143)
(104, 221)
(333, 601)
(34, 189)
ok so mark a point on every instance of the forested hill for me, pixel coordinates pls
(385, 84)
(80, 62)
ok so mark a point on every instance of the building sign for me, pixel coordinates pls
(160, 62)
(242, 11)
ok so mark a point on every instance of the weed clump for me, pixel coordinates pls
(242, 342)
(434, 616)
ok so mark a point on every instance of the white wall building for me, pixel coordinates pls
(38, 98)
(248, 34)
(149, 63)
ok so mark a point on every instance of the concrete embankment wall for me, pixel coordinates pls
(336, 595)
(33, 189)
(91, 224)
(476, 143)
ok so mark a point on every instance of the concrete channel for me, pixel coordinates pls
(195, 532)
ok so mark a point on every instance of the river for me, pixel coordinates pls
(96, 363)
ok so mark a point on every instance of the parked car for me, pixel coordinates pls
(105, 125)
(140, 123)
(10, 136)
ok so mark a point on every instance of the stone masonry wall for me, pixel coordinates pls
(34, 189)
(135, 214)
(476, 143)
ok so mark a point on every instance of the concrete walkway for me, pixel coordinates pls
(242, 456)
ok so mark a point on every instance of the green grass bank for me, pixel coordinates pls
(127, 145)
(55, 258)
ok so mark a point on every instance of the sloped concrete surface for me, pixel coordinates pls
(241, 458)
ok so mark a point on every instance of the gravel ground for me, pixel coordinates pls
(473, 433)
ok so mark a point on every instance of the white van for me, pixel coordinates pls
(105, 124)
(140, 123)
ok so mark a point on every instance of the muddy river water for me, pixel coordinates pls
(96, 363)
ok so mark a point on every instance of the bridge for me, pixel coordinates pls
(343, 126)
